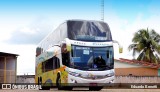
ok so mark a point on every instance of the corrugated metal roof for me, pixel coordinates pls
(142, 63)
(7, 54)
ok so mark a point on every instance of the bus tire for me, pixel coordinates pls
(45, 88)
(40, 83)
(58, 82)
(98, 88)
(68, 88)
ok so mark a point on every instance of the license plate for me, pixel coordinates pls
(93, 84)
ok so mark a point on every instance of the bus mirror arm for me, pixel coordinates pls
(120, 46)
(57, 45)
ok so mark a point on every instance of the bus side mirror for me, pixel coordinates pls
(68, 47)
(120, 49)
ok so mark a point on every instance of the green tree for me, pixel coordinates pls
(147, 44)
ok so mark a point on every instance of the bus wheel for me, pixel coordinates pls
(58, 82)
(95, 88)
(40, 83)
(45, 88)
(68, 88)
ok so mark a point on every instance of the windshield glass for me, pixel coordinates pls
(89, 31)
(92, 58)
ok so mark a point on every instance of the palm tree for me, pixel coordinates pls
(147, 44)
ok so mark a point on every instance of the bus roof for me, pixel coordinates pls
(84, 20)
(77, 30)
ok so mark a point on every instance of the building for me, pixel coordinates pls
(125, 67)
(8, 67)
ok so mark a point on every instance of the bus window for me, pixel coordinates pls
(38, 51)
(65, 58)
(56, 63)
(47, 65)
(43, 66)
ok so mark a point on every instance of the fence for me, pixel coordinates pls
(137, 79)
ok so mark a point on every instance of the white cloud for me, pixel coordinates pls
(123, 29)
(27, 30)
(9, 24)
(32, 33)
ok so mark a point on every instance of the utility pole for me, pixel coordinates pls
(102, 10)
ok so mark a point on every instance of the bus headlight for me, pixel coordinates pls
(74, 74)
(110, 74)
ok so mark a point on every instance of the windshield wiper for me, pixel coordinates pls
(74, 66)
(105, 66)
(85, 68)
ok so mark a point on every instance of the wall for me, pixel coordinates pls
(136, 71)
(7, 69)
(25, 79)
(125, 69)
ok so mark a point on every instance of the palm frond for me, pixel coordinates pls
(132, 46)
(146, 42)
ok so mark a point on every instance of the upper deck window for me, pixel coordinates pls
(89, 31)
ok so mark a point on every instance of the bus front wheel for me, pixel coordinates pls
(59, 86)
(58, 82)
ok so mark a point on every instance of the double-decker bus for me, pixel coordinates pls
(78, 52)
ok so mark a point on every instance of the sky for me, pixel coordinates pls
(24, 23)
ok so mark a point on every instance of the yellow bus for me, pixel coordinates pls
(77, 53)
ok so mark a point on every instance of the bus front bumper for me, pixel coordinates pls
(78, 81)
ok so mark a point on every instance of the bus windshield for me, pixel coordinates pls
(88, 31)
(92, 58)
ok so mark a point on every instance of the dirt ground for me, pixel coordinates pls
(85, 90)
